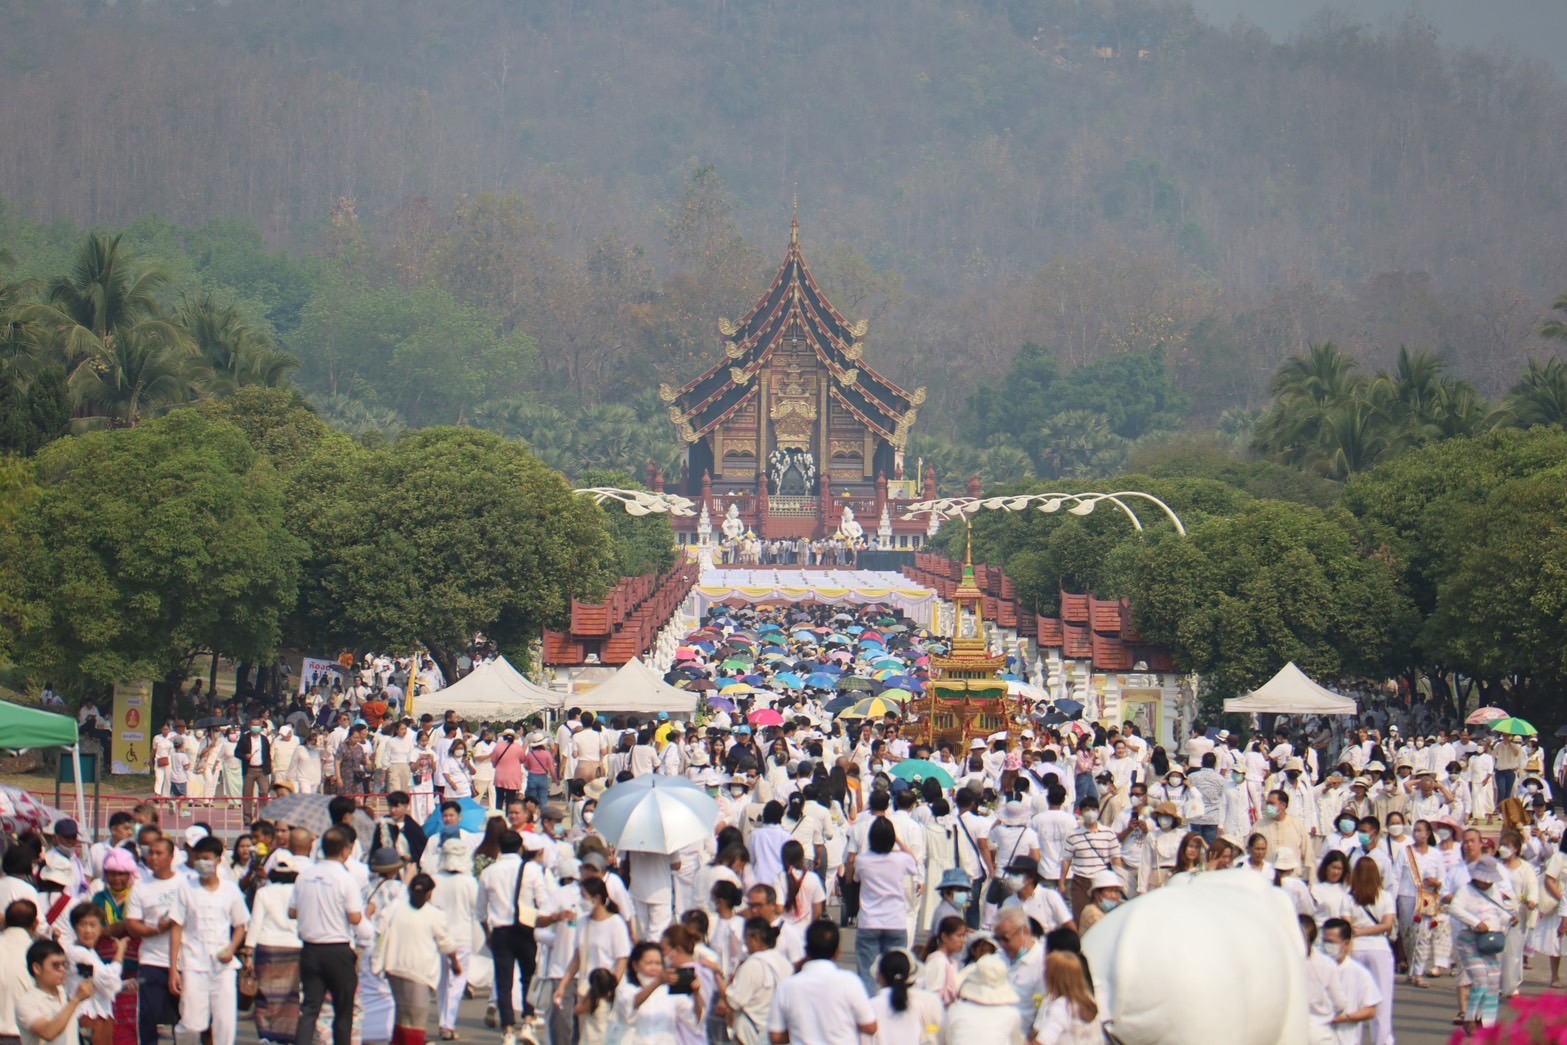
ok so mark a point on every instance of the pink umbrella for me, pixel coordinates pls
(1485, 716)
(842, 655)
(766, 717)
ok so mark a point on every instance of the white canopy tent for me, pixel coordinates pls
(494, 690)
(1291, 692)
(635, 688)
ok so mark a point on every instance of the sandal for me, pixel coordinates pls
(1421, 984)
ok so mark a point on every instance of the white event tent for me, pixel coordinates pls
(494, 691)
(635, 688)
(1291, 692)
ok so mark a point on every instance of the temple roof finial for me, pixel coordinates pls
(794, 224)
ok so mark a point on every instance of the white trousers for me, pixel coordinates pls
(208, 1001)
(449, 992)
(652, 918)
(1381, 966)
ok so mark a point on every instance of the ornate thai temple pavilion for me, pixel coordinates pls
(966, 697)
(792, 425)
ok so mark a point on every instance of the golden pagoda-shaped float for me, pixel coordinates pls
(966, 696)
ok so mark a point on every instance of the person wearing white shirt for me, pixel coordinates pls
(147, 917)
(821, 1004)
(1026, 967)
(1356, 997)
(510, 892)
(1323, 998)
(45, 1013)
(751, 990)
(1052, 828)
(457, 894)
(209, 918)
(97, 1013)
(327, 906)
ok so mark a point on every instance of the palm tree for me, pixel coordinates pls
(1079, 443)
(20, 353)
(1352, 438)
(1556, 329)
(1305, 390)
(1005, 464)
(133, 375)
(1539, 397)
(237, 353)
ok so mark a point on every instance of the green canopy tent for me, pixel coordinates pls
(23, 727)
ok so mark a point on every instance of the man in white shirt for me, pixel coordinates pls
(1053, 826)
(21, 917)
(1357, 995)
(1197, 746)
(162, 750)
(327, 904)
(148, 917)
(750, 993)
(1025, 960)
(209, 919)
(821, 1004)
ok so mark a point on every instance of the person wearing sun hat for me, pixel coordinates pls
(1162, 848)
(1477, 912)
(986, 1009)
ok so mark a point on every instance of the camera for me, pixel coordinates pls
(684, 978)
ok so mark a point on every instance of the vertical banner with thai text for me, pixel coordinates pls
(131, 750)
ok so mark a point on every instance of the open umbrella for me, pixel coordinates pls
(655, 813)
(310, 812)
(1484, 716)
(701, 685)
(1513, 727)
(766, 717)
(916, 769)
(722, 704)
(473, 817)
(738, 689)
(734, 664)
(20, 811)
(1067, 707)
(901, 682)
(857, 682)
(789, 680)
(821, 680)
(902, 696)
(871, 707)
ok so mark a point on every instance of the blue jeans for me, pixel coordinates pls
(1209, 833)
(538, 788)
(871, 944)
(153, 1003)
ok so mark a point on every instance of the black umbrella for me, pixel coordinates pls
(837, 704)
(212, 723)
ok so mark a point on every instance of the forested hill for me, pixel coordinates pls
(1097, 177)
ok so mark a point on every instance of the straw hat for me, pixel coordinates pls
(985, 983)
(1168, 809)
(1014, 814)
(1105, 879)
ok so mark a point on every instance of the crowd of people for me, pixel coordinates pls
(969, 873)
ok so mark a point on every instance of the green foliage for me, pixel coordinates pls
(1244, 594)
(147, 545)
(1210, 457)
(436, 537)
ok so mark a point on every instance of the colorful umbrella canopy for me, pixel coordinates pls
(841, 702)
(766, 717)
(902, 696)
(871, 707)
(655, 814)
(821, 680)
(701, 685)
(916, 769)
(473, 817)
(736, 665)
(738, 689)
(789, 679)
(722, 704)
(1484, 715)
(857, 682)
(902, 682)
(1514, 727)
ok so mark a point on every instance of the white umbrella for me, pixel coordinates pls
(655, 814)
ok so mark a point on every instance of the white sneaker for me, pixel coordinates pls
(509, 1038)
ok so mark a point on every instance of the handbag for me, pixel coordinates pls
(1427, 903)
(1492, 942)
(997, 891)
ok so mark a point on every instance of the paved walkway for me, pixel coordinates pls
(1420, 1017)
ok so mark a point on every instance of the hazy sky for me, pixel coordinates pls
(1535, 28)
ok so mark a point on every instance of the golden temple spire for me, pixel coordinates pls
(794, 225)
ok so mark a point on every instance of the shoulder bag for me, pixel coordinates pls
(998, 890)
(1492, 942)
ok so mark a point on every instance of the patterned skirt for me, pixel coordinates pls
(277, 993)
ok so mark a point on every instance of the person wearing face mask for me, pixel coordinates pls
(209, 917)
(1456, 786)
(1344, 837)
(1279, 829)
(1356, 994)
(1477, 911)
(254, 752)
(1239, 810)
(1162, 847)
(1107, 892)
(1090, 849)
(1522, 902)
(1043, 905)
(955, 890)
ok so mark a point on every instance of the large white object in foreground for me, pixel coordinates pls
(1291, 692)
(1220, 959)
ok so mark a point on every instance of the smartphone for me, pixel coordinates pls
(684, 978)
(84, 970)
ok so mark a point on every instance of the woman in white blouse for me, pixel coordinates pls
(1069, 1014)
(1369, 909)
(905, 1015)
(96, 1015)
(941, 972)
(644, 1006)
(1421, 924)
(456, 772)
(1331, 887)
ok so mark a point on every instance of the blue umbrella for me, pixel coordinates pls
(722, 704)
(821, 680)
(854, 629)
(1009, 677)
(473, 817)
(902, 682)
(754, 680)
(790, 680)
